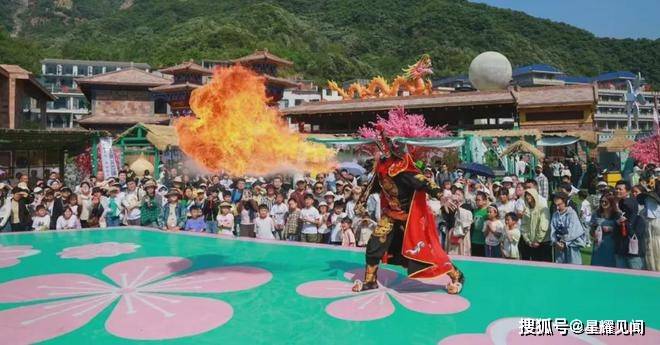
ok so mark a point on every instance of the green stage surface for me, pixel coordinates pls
(136, 285)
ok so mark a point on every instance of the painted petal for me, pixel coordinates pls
(51, 286)
(385, 277)
(97, 250)
(364, 307)
(139, 272)
(39, 322)
(8, 262)
(431, 302)
(147, 316)
(466, 339)
(325, 289)
(219, 279)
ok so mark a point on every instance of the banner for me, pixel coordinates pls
(108, 158)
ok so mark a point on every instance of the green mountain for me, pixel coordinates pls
(331, 39)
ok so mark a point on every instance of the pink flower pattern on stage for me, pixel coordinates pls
(9, 255)
(415, 295)
(148, 307)
(98, 250)
(507, 332)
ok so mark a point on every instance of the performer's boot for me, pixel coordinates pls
(457, 281)
(370, 280)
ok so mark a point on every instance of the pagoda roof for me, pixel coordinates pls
(175, 87)
(286, 83)
(129, 77)
(261, 55)
(188, 66)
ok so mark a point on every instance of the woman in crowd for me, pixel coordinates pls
(85, 202)
(603, 225)
(535, 244)
(68, 220)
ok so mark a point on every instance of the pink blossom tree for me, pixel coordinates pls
(647, 150)
(399, 123)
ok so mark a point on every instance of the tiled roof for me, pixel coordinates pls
(128, 76)
(416, 102)
(123, 120)
(615, 75)
(530, 97)
(280, 81)
(19, 73)
(263, 55)
(187, 66)
(175, 87)
(544, 68)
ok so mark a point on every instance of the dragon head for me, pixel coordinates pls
(421, 68)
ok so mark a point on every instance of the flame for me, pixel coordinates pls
(237, 132)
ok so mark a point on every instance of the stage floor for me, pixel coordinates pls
(136, 285)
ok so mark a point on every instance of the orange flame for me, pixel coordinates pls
(236, 131)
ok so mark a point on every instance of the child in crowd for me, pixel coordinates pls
(277, 212)
(365, 227)
(292, 225)
(196, 222)
(68, 221)
(264, 226)
(41, 221)
(511, 237)
(311, 218)
(96, 219)
(335, 222)
(173, 216)
(324, 230)
(493, 229)
(225, 219)
(347, 235)
(585, 213)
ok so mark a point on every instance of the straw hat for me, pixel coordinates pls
(225, 204)
(173, 191)
(149, 184)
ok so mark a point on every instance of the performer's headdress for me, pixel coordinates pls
(387, 145)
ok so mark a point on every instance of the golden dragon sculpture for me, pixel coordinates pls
(413, 81)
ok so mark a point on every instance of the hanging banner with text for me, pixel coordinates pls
(108, 158)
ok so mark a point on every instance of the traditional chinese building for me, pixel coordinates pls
(267, 64)
(187, 77)
(550, 109)
(121, 99)
(22, 99)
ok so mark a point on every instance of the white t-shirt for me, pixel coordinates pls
(335, 219)
(493, 239)
(503, 209)
(277, 211)
(67, 224)
(264, 227)
(225, 223)
(41, 223)
(311, 214)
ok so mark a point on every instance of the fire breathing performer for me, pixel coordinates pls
(406, 234)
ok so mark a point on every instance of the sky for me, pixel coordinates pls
(604, 18)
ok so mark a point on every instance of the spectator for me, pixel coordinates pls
(347, 234)
(480, 214)
(225, 219)
(324, 230)
(293, 223)
(19, 215)
(68, 221)
(604, 223)
(113, 209)
(651, 214)
(196, 221)
(493, 229)
(311, 219)
(335, 223)
(511, 237)
(535, 245)
(96, 219)
(541, 181)
(41, 220)
(85, 202)
(365, 227)
(264, 226)
(566, 232)
(210, 209)
(173, 216)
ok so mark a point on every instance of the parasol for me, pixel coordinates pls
(477, 169)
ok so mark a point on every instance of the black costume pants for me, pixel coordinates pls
(388, 238)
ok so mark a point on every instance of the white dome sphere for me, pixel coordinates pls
(490, 71)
